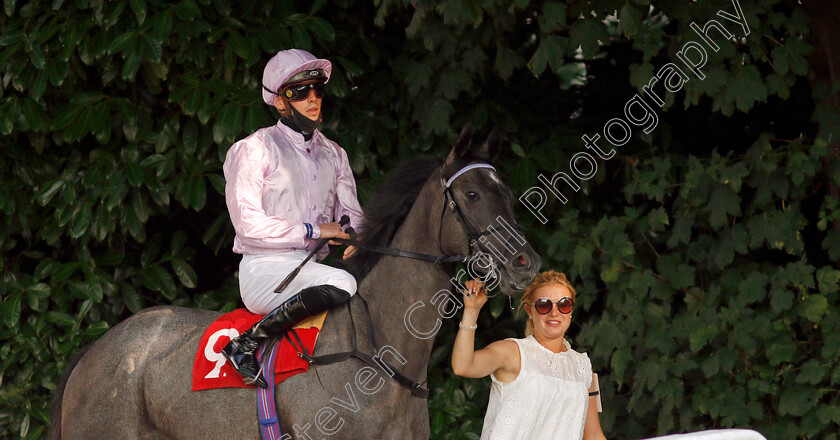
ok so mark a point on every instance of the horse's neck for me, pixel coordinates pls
(396, 286)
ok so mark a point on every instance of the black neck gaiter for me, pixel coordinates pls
(300, 123)
(291, 124)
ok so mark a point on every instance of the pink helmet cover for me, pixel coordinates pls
(285, 65)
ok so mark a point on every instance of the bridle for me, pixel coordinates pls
(449, 201)
(472, 235)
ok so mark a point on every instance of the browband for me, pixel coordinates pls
(467, 168)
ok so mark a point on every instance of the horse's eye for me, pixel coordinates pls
(472, 195)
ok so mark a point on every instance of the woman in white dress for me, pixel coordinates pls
(542, 389)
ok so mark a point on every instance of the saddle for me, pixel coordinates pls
(211, 370)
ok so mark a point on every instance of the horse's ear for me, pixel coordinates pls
(490, 149)
(462, 146)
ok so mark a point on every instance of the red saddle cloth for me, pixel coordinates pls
(211, 369)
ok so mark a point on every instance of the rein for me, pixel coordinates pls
(450, 202)
(394, 252)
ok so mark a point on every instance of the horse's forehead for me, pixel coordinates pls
(494, 176)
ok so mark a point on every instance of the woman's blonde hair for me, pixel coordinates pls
(544, 279)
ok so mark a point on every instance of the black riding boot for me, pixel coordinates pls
(241, 351)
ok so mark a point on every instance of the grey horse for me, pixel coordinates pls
(134, 382)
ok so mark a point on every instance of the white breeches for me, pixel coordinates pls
(259, 275)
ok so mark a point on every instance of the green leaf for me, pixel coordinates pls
(746, 88)
(132, 63)
(814, 307)
(82, 221)
(140, 206)
(829, 414)
(640, 74)
(11, 37)
(97, 328)
(47, 192)
(435, 118)
(629, 20)
(150, 250)
(163, 27)
(811, 372)
(132, 298)
(781, 352)
(220, 128)
(497, 304)
(507, 60)
(197, 192)
(122, 43)
(239, 45)
(795, 401)
(185, 273)
(609, 274)
(153, 278)
(187, 10)
(11, 310)
(711, 366)
(554, 15)
(24, 426)
(752, 288)
(781, 299)
(177, 242)
(828, 280)
(139, 8)
(322, 29)
(791, 56)
(218, 182)
(60, 318)
(36, 55)
(65, 271)
(702, 336)
(35, 116)
(550, 51)
(301, 37)
(152, 50)
(723, 201)
(45, 268)
(586, 34)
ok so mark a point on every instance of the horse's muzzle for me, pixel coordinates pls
(519, 271)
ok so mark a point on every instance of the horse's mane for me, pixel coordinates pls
(388, 207)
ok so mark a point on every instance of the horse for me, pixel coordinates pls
(134, 382)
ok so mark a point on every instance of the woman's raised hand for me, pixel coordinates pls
(475, 295)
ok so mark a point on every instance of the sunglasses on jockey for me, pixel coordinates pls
(298, 91)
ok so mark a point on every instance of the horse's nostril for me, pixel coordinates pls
(520, 261)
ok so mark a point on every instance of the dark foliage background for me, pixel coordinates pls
(706, 253)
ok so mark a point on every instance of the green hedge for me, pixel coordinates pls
(706, 261)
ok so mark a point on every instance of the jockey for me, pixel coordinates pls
(285, 185)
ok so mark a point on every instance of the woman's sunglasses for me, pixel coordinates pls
(299, 92)
(565, 305)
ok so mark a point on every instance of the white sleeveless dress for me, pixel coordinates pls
(548, 400)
